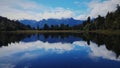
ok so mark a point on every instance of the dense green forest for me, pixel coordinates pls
(10, 25)
(110, 21)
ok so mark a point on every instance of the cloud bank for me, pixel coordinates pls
(23, 9)
(96, 7)
(30, 9)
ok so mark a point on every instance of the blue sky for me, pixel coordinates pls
(44, 9)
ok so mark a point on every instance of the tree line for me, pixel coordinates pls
(110, 21)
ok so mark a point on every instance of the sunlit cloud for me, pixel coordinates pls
(30, 9)
(22, 9)
(102, 8)
(96, 7)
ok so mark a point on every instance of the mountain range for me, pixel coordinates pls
(49, 22)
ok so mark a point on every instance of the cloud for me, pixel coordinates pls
(57, 14)
(29, 9)
(98, 7)
(22, 9)
(81, 17)
(102, 8)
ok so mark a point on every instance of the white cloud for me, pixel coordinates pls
(57, 13)
(102, 8)
(96, 7)
(81, 17)
(22, 9)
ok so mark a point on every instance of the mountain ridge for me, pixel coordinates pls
(51, 21)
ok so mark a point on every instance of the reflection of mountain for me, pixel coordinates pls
(54, 37)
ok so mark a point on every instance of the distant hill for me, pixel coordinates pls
(9, 25)
(32, 23)
(49, 22)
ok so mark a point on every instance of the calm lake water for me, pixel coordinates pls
(59, 50)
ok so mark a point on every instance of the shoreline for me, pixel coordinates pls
(108, 32)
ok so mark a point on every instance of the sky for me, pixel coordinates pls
(58, 9)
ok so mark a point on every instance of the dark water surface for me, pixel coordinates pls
(59, 50)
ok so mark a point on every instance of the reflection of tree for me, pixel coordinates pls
(56, 35)
(7, 38)
(111, 41)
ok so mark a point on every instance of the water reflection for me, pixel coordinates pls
(57, 51)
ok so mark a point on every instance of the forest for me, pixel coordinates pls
(12, 25)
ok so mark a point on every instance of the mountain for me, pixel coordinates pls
(9, 25)
(49, 22)
(32, 23)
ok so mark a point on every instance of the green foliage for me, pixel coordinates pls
(10, 25)
(46, 27)
(110, 22)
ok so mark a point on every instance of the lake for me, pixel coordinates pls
(59, 50)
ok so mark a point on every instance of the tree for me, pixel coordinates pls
(88, 20)
(46, 27)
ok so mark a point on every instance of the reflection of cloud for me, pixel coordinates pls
(32, 50)
(29, 50)
(39, 49)
(102, 52)
(7, 66)
(59, 47)
(23, 47)
(80, 43)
